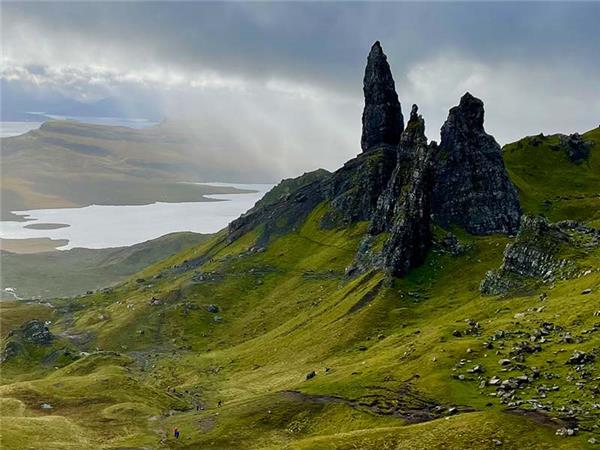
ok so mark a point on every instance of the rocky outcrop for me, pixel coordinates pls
(397, 182)
(33, 332)
(576, 147)
(354, 189)
(285, 188)
(382, 119)
(402, 216)
(471, 186)
(282, 214)
(542, 252)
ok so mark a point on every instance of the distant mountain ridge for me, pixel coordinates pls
(68, 163)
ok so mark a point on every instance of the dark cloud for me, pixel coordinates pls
(319, 40)
(535, 64)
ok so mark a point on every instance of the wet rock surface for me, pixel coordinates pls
(471, 185)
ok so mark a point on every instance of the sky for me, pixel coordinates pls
(282, 82)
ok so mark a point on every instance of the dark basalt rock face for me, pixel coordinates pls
(382, 117)
(402, 217)
(355, 188)
(285, 188)
(471, 186)
(413, 141)
(540, 254)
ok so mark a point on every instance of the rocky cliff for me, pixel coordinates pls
(471, 186)
(542, 252)
(399, 180)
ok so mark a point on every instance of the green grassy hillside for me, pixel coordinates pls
(245, 346)
(550, 184)
(73, 272)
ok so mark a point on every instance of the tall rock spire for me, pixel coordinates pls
(382, 117)
(403, 209)
(471, 187)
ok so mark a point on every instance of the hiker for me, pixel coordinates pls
(219, 404)
(176, 432)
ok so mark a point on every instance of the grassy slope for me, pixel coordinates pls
(550, 184)
(287, 311)
(73, 272)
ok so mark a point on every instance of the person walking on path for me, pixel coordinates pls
(176, 432)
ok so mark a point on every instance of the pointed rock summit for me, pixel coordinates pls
(415, 130)
(471, 187)
(382, 119)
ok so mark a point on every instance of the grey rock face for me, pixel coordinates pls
(471, 185)
(414, 134)
(535, 254)
(534, 251)
(410, 233)
(382, 116)
(450, 244)
(355, 188)
(403, 209)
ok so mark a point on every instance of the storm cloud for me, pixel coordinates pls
(284, 79)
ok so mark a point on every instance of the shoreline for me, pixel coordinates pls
(108, 226)
(32, 245)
